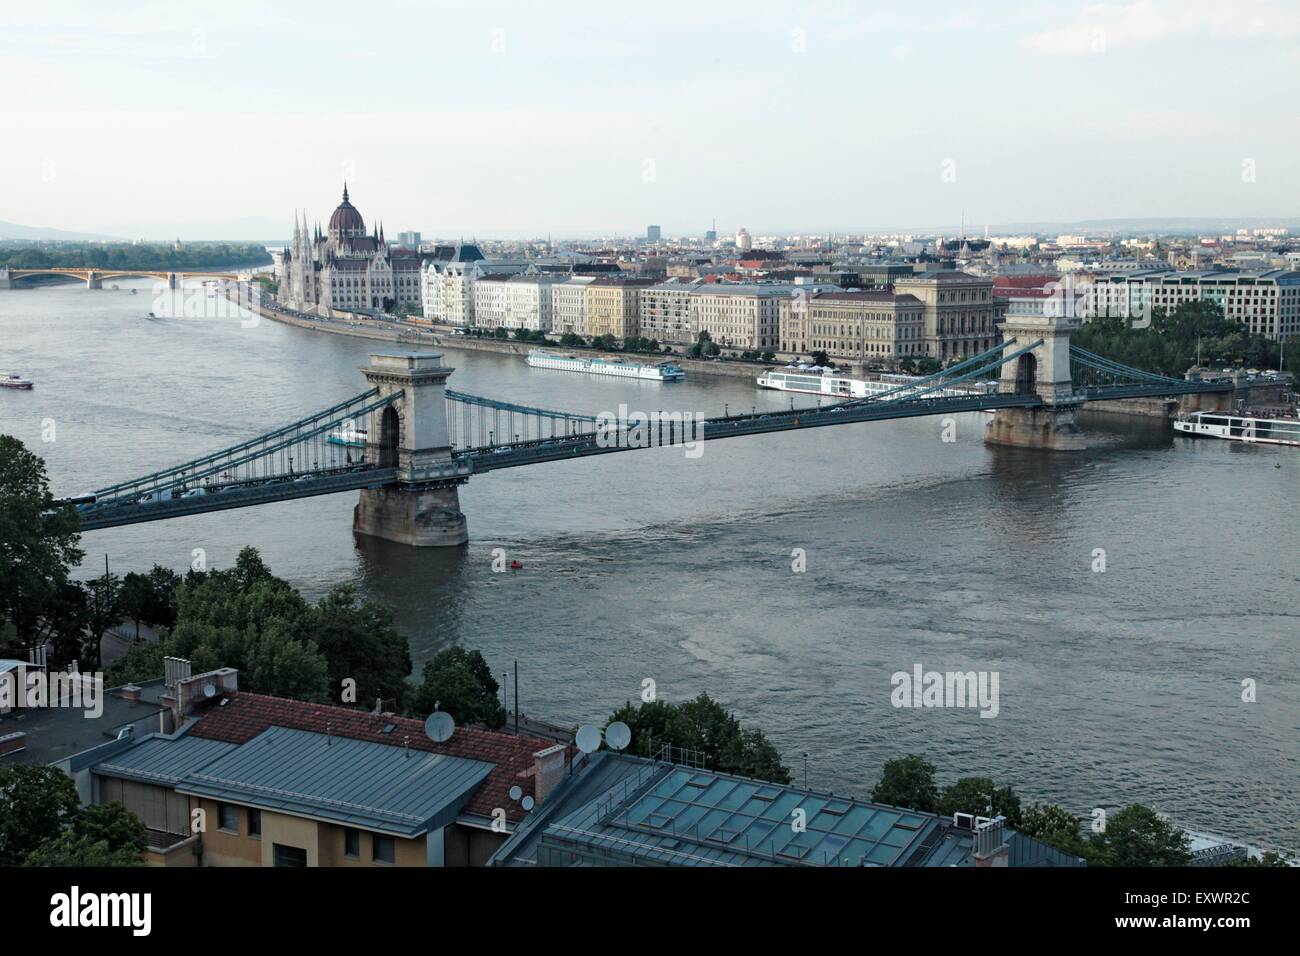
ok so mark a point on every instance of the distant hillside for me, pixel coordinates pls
(11, 230)
(128, 255)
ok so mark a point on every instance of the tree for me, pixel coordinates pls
(820, 357)
(105, 603)
(704, 346)
(461, 683)
(40, 541)
(35, 805)
(70, 850)
(1138, 836)
(141, 662)
(705, 726)
(359, 641)
(982, 797)
(111, 824)
(907, 782)
(1056, 827)
(1270, 858)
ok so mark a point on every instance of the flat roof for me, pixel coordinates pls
(342, 780)
(163, 760)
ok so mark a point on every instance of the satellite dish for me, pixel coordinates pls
(209, 690)
(588, 739)
(516, 792)
(528, 803)
(439, 727)
(618, 735)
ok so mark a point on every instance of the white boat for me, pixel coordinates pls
(348, 435)
(662, 372)
(813, 381)
(13, 381)
(1267, 431)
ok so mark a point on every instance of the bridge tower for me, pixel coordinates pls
(1045, 372)
(93, 281)
(422, 507)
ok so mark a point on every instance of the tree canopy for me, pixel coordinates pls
(705, 726)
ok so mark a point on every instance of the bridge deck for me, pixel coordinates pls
(282, 489)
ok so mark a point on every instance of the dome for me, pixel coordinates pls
(346, 221)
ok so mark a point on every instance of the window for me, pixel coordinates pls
(255, 823)
(352, 844)
(384, 851)
(282, 855)
(228, 817)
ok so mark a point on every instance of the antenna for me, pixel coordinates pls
(439, 726)
(618, 735)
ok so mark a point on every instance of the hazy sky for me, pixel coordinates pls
(513, 118)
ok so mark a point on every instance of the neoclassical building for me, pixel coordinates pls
(344, 269)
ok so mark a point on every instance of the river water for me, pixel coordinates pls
(1115, 686)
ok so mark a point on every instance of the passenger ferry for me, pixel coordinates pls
(1268, 431)
(815, 381)
(13, 381)
(348, 435)
(662, 372)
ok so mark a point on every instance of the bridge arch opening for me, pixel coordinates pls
(390, 429)
(1027, 375)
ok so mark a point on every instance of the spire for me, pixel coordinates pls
(345, 190)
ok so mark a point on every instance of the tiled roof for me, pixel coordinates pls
(246, 715)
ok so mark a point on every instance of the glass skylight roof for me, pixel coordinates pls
(755, 819)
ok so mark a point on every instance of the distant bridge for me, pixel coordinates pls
(408, 441)
(94, 278)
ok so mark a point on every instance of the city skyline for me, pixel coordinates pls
(801, 118)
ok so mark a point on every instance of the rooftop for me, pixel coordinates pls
(244, 716)
(351, 782)
(622, 809)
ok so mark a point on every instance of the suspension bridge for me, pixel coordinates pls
(408, 441)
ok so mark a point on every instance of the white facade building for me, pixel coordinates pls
(569, 304)
(514, 302)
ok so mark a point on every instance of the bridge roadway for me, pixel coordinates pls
(218, 497)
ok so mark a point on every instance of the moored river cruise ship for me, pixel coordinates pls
(1268, 431)
(814, 382)
(661, 372)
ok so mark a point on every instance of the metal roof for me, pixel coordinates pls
(351, 782)
(163, 760)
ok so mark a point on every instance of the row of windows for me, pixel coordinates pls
(383, 849)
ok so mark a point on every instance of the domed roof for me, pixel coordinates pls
(346, 221)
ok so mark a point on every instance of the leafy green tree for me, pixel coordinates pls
(35, 805)
(570, 340)
(1138, 836)
(360, 641)
(461, 683)
(982, 797)
(1270, 859)
(820, 357)
(112, 824)
(705, 726)
(105, 604)
(69, 849)
(40, 542)
(1056, 827)
(141, 662)
(150, 599)
(907, 782)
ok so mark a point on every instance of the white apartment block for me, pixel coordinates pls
(740, 316)
(447, 288)
(666, 311)
(1267, 303)
(514, 302)
(569, 305)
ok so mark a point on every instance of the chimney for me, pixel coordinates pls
(990, 847)
(130, 692)
(547, 770)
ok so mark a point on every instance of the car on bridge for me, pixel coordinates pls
(153, 497)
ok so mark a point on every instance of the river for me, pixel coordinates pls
(1116, 686)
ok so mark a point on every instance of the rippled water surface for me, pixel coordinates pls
(1115, 687)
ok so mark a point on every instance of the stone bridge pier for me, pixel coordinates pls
(422, 508)
(93, 281)
(1045, 372)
